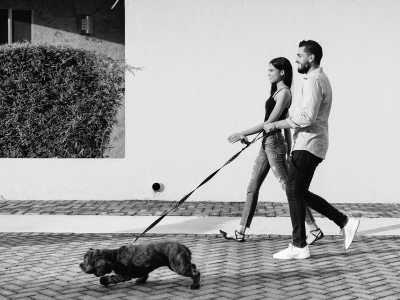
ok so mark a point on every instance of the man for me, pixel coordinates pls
(309, 120)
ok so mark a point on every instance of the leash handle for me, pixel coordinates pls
(246, 142)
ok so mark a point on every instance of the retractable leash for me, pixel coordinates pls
(184, 198)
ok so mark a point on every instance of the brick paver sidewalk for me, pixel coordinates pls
(204, 208)
(45, 266)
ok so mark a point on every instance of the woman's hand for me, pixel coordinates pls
(269, 127)
(233, 138)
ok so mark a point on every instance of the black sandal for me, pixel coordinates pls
(239, 237)
(317, 235)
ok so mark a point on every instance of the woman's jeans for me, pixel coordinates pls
(272, 156)
(302, 165)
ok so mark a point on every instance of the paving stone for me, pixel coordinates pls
(198, 208)
(45, 266)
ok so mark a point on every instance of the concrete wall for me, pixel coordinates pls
(204, 76)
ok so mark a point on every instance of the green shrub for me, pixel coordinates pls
(57, 101)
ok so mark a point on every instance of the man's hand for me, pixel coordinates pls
(237, 137)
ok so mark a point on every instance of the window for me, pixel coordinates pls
(21, 28)
(15, 25)
(3, 26)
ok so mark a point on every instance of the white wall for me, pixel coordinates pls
(204, 77)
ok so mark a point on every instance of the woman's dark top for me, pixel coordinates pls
(269, 107)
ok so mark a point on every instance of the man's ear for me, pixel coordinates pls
(311, 58)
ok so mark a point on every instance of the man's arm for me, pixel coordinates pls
(312, 98)
(307, 113)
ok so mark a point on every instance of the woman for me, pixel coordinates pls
(273, 150)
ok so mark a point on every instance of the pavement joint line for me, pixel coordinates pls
(181, 225)
(152, 207)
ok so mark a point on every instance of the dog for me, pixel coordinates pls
(137, 261)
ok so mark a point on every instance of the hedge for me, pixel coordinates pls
(57, 101)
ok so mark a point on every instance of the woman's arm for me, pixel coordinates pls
(282, 101)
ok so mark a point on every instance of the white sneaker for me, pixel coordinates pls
(293, 252)
(349, 231)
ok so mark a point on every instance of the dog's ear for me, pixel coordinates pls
(91, 253)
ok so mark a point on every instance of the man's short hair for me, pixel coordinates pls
(312, 47)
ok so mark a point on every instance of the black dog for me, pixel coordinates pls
(137, 261)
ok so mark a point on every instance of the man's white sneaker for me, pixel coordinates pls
(293, 252)
(349, 231)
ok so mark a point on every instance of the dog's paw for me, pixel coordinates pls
(196, 280)
(104, 281)
(195, 286)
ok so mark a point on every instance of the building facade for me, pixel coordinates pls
(88, 24)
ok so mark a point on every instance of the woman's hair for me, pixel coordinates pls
(282, 64)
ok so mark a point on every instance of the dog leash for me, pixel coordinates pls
(184, 198)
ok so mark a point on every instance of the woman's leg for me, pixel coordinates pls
(260, 171)
(276, 154)
(310, 221)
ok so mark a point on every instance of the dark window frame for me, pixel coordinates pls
(10, 31)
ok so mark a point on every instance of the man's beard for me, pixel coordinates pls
(303, 69)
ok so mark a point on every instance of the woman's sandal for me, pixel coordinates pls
(314, 236)
(239, 237)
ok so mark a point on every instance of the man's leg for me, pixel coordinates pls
(301, 171)
(275, 149)
(300, 175)
(323, 207)
(349, 225)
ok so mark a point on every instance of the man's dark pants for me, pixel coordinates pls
(302, 165)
